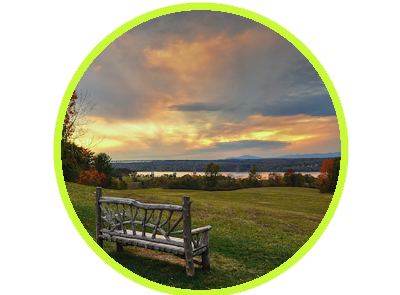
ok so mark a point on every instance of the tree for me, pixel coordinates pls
(92, 177)
(76, 120)
(328, 178)
(276, 179)
(254, 176)
(102, 165)
(335, 173)
(212, 171)
(299, 180)
(70, 118)
(290, 177)
(75, 160)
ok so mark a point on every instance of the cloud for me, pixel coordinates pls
(203, 82)
(250, 144)
(317, 105)
(198, 107)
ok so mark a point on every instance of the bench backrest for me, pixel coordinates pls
(132, 219)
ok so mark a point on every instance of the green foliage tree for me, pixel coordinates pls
(290, 177)
(254, 176)
(103, 165)
(212, 171)
(299, 180)
(75, 160)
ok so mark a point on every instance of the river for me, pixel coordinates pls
(232, 174)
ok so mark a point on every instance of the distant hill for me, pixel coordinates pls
(316, 155)
(244, 157)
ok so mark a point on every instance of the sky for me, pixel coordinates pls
(206, 85)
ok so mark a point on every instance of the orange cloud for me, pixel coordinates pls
(97, 68)
(187, 60)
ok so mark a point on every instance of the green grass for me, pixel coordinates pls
(254, 231)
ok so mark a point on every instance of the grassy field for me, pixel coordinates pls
(254, 231)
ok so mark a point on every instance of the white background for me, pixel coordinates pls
(44, 42)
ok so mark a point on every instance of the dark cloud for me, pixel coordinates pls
(198, 107)
(318, 105)
(246, 144)
(190, 25)
(237, 146)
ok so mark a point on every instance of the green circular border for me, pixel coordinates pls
(211, 7)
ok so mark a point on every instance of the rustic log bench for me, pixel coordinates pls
(134, 223)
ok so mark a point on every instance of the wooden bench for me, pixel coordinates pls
(138, 224)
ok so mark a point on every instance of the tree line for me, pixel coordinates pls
(264, 165)
(214, 180)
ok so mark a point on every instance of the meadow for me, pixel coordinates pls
(254, 231)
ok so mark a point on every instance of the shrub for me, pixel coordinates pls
(90, 177)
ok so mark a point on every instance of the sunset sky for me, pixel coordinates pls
(207, 85)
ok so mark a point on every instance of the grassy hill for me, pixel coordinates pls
(254, 231)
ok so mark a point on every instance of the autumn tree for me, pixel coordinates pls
(327, 180)
(75, 160)
(92, 177)
(335, 173)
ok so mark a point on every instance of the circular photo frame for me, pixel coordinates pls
(239, 287)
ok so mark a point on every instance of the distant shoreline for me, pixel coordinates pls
(233, 174)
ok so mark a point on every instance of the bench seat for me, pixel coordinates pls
(145, 244)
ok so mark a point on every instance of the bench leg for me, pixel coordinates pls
(100, 242)
(205, 260)
(205, 256)
(119, 247)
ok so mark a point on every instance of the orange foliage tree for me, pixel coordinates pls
(325, 181)
(92, 177)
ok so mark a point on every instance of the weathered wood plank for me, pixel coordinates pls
(201, 229)
(140, 205)
(157, 223)
(187, 236)
(132, 220)
(159, 229)
(148, 237)
(199, 250)
(205, 257)
(144, 223)
(99, 240)
(120, 218)
(175, 224)
(145, 244)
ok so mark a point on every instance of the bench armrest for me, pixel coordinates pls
(201, 229)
